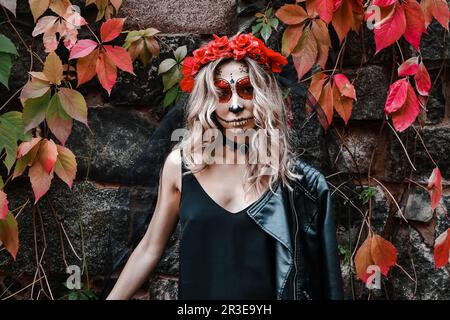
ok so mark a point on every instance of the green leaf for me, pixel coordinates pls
(265, 32)
(7, 46)
(170, 96)
(34, 110)
(166, 65)
(180, 53)
(256, 28)
(9, 234)
(268, 12)
(1, 183)
(11, 130)
(171, 78)
(274, 23)
(5, 68)
(73, 296)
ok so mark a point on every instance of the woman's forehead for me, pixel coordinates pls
(231, 70)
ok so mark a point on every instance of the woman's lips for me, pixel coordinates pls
(237, 122)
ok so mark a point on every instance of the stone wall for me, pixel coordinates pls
(120, 159)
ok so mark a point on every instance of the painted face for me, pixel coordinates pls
(235, 105)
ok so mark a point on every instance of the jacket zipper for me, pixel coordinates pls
(295, 242)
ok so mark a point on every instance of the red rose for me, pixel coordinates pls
(243, 43)
(220, 46)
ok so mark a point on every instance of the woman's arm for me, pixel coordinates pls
(149, 250)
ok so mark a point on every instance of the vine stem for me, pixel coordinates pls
(425, 147)
(392, 197)
(403, 146)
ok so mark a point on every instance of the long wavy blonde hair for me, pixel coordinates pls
(269, 112)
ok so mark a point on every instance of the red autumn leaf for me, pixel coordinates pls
(423, 81)
(111, 29)
(120, 57)
(47, 154)
(442, 249)
(396, 96)
(291, 14)
(375, 251)
(9, 234)
(324, 8)
(415, 23)
(407, 114)
(409, 67)
(437, 9)
(106, 71)
(344, 86)
(435, 187)
(391, 28)
(342, 104)
(3, 205)
(397, 19)
(82, 48)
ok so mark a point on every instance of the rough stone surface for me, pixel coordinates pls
(194, 16)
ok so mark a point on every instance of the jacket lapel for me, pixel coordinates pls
(271, 215)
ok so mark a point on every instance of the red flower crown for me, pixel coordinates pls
(238, 47)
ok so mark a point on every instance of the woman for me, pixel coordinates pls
(256, 222)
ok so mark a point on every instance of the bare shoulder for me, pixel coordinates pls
(172, 170)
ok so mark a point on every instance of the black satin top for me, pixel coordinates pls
(223, 255)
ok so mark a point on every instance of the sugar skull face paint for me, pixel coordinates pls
(243, 88)
(235, 105)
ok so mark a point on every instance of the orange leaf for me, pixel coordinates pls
(342, 104)
(290, 38)
(111, 29)
(317, 81)
(320, 32)
(435, 187)
(326, 101)
(441, 249)
(305, 54)
(9, 234)
(66, 165)
(106, 72)
(344, 86)
(53, 69)
(26, 146)
(363, 259)
(383, 253)
(86, 67)
(40, 180)
(291, 14)
(375, 251)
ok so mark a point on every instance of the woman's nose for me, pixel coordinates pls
(235, 106)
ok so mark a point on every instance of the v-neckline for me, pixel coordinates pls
(218, 205)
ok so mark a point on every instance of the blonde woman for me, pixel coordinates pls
(256, 221)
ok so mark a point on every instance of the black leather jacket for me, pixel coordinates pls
(302, 222)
